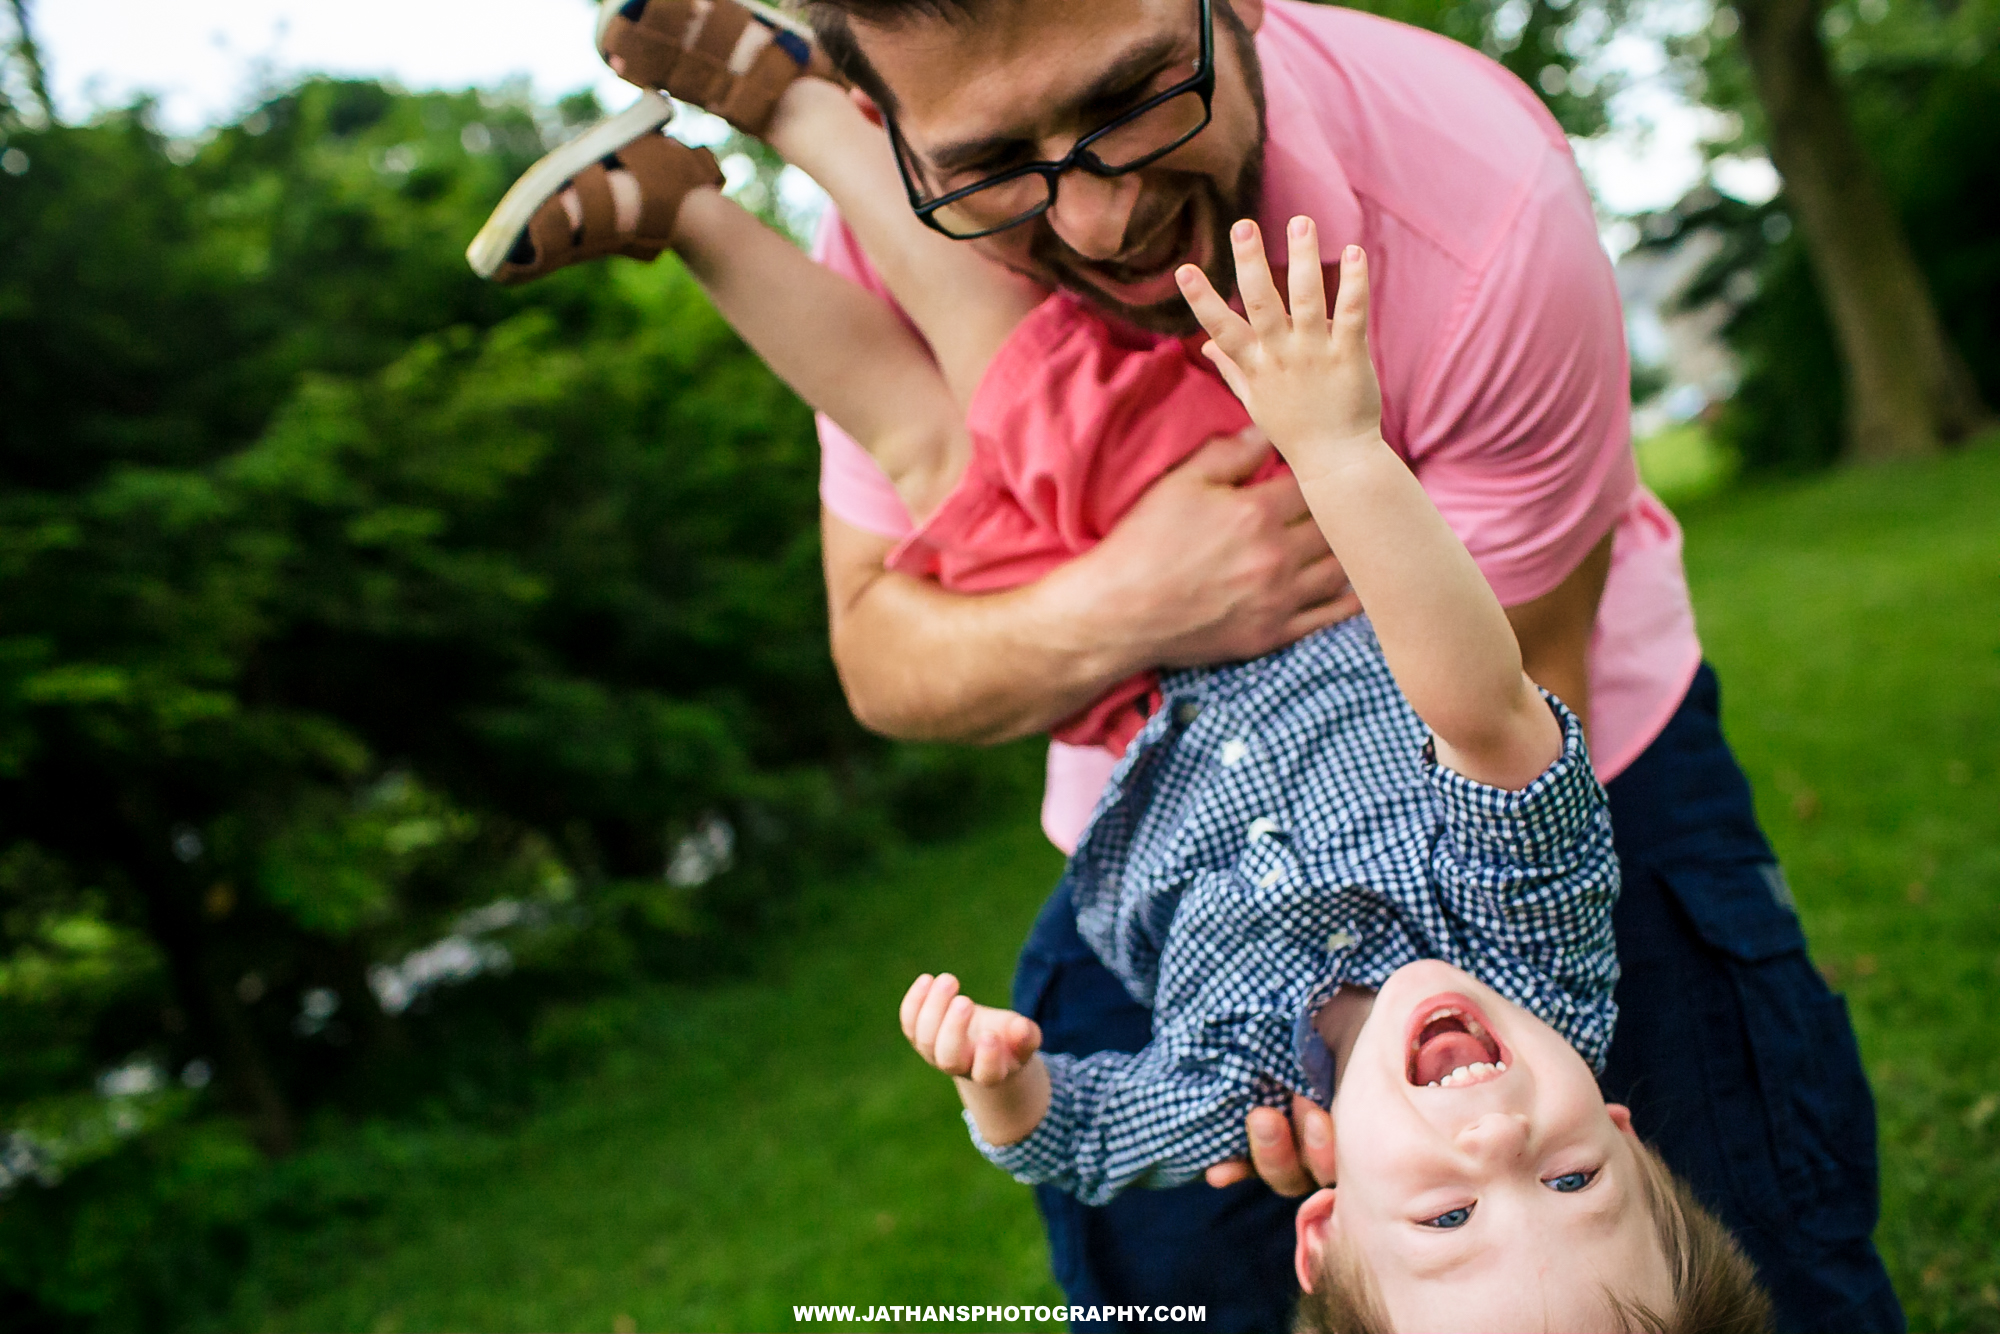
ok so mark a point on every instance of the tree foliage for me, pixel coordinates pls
(355, 612)
(1922, 83)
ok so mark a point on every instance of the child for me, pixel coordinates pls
(1278, 841)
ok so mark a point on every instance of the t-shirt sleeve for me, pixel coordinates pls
(1520, 428)
(851, 486)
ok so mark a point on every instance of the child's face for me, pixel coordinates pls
(1506, 1199)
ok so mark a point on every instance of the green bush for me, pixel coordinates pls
(350, 605)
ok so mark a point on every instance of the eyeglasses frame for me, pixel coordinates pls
(1202, 81)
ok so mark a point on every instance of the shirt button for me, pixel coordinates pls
(1186, 712)
(1262, 827)
(1338, 941)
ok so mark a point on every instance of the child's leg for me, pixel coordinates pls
(963, 304)
(839, 347)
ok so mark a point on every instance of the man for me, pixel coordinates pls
(1501, 353)
(1098, 147)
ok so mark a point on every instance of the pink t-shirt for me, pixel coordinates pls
(1496, 333)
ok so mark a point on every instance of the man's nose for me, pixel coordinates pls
(1091, 213)
(1497, 1137)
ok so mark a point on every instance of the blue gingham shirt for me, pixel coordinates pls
(1280, 828)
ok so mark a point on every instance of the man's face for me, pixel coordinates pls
(1027, 78)
(1510, 1197)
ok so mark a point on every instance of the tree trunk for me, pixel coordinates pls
(212, 1008)
(29, 52)
(1908, 391)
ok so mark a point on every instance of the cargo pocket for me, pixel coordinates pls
(1783, 1061)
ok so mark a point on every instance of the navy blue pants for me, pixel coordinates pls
(1738, 1064)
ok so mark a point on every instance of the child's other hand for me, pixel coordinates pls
(975, 1042)
(1305, 378)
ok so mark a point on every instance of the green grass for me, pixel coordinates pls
(1855, 622)
(744, 1147)
(1682, 464)
(770, 1142)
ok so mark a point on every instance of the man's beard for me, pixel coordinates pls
(1053, 260)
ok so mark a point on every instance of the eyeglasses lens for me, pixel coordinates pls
(1120, 147)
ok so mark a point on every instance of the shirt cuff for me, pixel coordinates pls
(1047, 1154)
(1540, 823)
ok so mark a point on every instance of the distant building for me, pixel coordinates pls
(1685, 346)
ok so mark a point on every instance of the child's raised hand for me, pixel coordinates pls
(1305, 378)
(975, 1042)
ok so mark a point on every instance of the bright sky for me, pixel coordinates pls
(205, 59)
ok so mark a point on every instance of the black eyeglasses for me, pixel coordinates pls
(1134, 139)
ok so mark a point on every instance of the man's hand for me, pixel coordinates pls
(1202, 570)
(1205, 569)
(1294, 1155)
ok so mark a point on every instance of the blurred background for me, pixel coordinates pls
(440, 883)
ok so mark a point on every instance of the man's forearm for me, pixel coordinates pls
(920, 663)
(1203, 569)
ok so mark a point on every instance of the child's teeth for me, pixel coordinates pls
(1470, 1074)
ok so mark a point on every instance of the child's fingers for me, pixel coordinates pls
(988, 1061)
(1232, 374)
(1350, 303)
(1024, 1035)
(1253, 281)
(931, 1014)
(1224, 325)
(913, 1000)
(1307, 283)
(954, 1039)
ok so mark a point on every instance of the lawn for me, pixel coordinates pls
(769, 1142)
(743, 1148)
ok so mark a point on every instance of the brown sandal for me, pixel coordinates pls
(732, 57)
(531, 234)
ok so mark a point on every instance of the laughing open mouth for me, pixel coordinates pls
(1452, 1045)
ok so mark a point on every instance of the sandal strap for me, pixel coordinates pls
(713, 53)
(665, 171)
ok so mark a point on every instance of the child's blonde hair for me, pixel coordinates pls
(1715, 1289)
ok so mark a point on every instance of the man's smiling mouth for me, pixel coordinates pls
(1164, 249)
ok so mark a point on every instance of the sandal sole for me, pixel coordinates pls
(489, 249)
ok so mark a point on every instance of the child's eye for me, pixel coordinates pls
(1570, 1182)
(1450, 1218)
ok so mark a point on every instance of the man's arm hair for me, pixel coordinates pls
(921, 663)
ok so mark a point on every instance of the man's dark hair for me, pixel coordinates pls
(832, 22)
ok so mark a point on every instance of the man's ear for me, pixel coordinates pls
(866, 105)
(1250, 12)
(1314, 1222)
